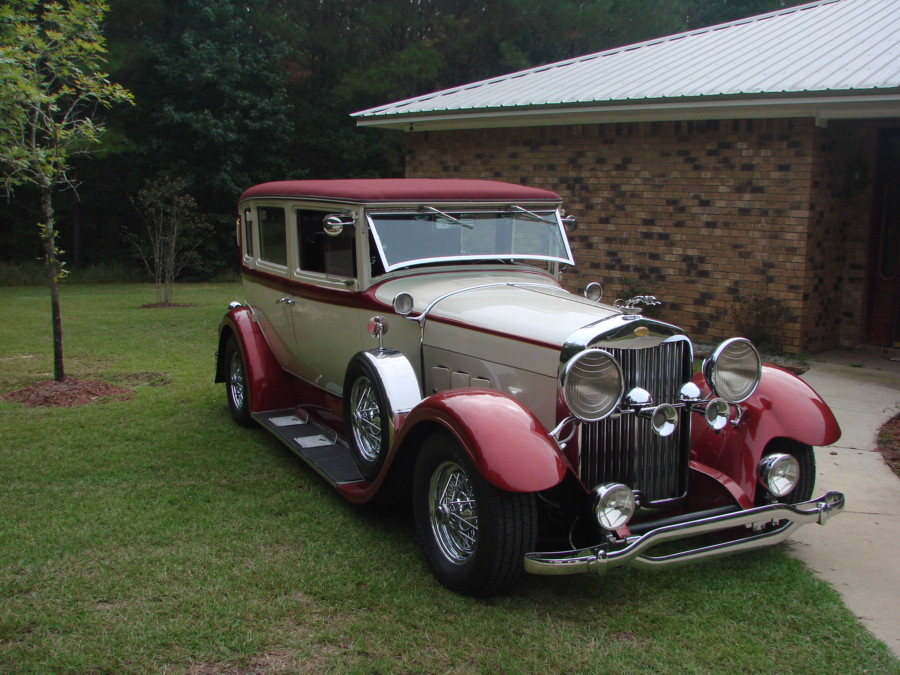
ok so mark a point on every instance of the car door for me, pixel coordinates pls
(267, 255)
(328, 314)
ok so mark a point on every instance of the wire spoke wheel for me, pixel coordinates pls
(474, 535)
(236, 382)
(365, 416)
(454, 512)
(236, 388)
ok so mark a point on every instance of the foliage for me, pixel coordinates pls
(172, 231)
(759, 318)
(634, 287)
(235, 92)
(155, 536)
(50, 87)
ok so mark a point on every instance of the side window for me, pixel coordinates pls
(272, 231)
(248, 233)
(334, 255)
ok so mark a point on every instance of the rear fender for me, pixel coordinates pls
(783, 406)
(269, 386)
(507, 444)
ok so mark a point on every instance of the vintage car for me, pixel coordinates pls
(410, 338)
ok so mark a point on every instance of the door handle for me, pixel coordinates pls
(290, 302)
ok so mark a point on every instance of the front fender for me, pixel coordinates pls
(783, 406)
(507, 444)
(269, 385)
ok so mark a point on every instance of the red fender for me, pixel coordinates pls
(783, 406)
(269, 385)
(507, 444)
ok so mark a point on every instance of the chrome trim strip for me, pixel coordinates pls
(598, 559)
(618, 331)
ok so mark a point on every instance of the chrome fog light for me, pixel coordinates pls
(779, 473)
(591, 384)
(716, 414)
(614, 504)
(733, 370)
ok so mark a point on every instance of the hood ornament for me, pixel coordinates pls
(631, 306)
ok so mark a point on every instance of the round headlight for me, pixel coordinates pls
(614, 505)
(733, 370)
(779, 473)
(592, 384)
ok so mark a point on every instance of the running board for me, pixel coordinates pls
(315, 444)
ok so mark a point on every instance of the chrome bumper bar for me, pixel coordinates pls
(783, 518)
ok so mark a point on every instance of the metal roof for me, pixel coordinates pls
(827, 59)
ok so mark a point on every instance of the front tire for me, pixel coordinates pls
(474, 535)
(237, 391)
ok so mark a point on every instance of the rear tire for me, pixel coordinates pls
(474, 536)
(236, 389)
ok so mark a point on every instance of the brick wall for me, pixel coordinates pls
(702, 214)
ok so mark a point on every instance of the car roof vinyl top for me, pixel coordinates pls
(402, 189)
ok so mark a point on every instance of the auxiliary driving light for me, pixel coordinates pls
(614, 504)
(779, 473)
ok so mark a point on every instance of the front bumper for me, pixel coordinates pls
(768, 525)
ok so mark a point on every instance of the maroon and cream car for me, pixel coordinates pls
(410, 338)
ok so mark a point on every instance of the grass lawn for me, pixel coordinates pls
(153, 535)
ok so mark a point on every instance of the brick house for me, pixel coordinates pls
(755, 160)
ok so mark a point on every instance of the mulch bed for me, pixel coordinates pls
(67, 394)
(889, 444)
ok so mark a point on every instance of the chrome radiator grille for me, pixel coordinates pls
(623, 448)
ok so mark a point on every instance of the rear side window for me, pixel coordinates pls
(333, 255)
(272, 232)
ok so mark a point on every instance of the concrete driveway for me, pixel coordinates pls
(858, 552)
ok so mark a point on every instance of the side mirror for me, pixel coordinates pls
(333, 224)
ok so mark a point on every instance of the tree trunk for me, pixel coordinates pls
(48, 235)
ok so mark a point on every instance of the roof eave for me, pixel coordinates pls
(821, 106)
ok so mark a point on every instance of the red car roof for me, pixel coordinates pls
(402, 189)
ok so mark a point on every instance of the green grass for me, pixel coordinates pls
(153, 535)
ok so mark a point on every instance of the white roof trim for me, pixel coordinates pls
(822, 108)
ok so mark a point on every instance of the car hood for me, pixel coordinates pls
(524, 306)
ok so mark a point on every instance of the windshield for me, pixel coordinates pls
(409, 238)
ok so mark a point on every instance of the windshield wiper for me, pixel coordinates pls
(456, 221)
(531, 214)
